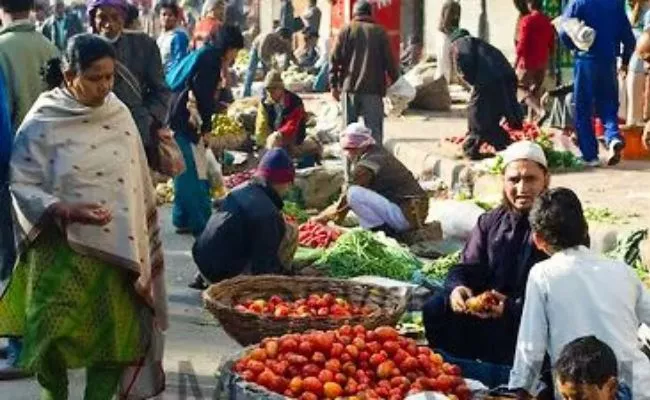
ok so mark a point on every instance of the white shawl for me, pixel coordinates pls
(67, 152)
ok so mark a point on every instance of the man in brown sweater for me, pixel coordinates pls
(360, 65)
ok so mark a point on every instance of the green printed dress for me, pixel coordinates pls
(72, 311)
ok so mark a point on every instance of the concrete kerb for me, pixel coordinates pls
(423, 162)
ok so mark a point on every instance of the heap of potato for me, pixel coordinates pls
(165, 192)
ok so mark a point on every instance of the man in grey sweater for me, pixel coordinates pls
(360, 65)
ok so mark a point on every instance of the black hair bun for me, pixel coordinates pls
(52, 73)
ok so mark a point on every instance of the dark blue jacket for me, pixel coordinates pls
(499, 256)
(244, 236)
(203, 83)
(613, 29)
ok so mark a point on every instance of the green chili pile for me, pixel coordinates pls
(439, 268)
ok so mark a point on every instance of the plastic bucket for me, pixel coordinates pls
(634, 148)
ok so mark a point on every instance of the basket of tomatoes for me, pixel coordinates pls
(251, 308)
(349, 362)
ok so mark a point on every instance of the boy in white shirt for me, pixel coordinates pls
(578, 293)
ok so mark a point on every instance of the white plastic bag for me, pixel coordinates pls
(398, 97)
(457, 218)
(215, 173)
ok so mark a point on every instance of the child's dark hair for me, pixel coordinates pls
(17, 6)
(534, 4)
(558, 218)
(586, 361)
(82, 51)
(170, 5)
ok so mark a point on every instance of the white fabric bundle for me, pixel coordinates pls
(581, 35)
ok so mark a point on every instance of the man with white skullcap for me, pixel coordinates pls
(381, 191)
(497, 259)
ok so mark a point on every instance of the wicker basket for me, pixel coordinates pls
(247, 328)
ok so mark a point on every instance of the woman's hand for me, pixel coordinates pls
(83, 213)
(164, 134)
(458, 298)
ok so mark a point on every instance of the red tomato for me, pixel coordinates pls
(310, 370)
(391, 347)
(318, 358)
(340, 378)
(326, 376)
(345, 330)
(350, 349)
(374, 347)
(271, 347)
(359, 343)
(376, 359)
(309, 396)
(332, 390)
(359, 330)
(256, 366)
(385, 369)
(305, 348)
(296, 385)
(349, 368)
(312, 384)
(288, 346)
(385, 333)
(333, 365)
(337, 350)
(266, 379)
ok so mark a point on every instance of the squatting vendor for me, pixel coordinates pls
(248, 234)
(381, 191)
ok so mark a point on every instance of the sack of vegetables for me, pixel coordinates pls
(227, 133)
(254, 307)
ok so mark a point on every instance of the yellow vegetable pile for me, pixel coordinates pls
(223, 125)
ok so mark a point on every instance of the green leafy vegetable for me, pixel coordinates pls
(628, 250)
(294, 210)
(361, 252)
(439, 268)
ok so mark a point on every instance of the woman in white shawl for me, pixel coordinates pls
(88, 288)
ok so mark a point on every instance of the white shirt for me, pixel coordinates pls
(578, 293)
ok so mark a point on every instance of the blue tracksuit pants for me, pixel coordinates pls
(595, 90)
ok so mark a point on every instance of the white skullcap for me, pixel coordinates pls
(525, 150)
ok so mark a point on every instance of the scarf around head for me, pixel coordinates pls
(356, 136)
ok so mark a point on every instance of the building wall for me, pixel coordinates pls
(501, 16)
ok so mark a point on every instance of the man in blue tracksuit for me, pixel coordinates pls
(595, 73)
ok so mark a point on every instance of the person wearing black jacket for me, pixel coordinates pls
(494, 93)
(248, 235)
(192, 205)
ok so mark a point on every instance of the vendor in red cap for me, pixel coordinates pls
(248, 235)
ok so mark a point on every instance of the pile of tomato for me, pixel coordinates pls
(529, 131)
(236, 179)
(326, 305)
(350, 362)
(315, 235)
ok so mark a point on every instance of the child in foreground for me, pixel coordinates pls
(575, 293)
(587, 369)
